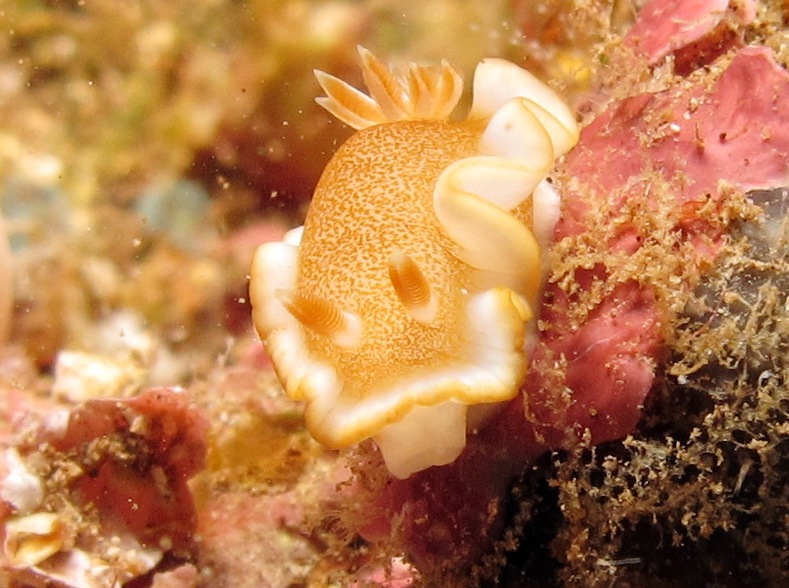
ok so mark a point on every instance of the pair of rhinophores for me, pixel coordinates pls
(399, 310)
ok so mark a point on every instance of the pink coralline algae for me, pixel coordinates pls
(153, 502)
(117, 484)
(736, 133)
(694, 145)
(695, 27)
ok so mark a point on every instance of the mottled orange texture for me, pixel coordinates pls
(405, 298)
(369, 203)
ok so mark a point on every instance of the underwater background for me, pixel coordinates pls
(147, 148)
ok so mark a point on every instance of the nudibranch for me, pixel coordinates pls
(404, 298)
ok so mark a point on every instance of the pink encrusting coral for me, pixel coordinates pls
(654, 181)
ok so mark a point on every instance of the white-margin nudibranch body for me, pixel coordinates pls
(403, 300)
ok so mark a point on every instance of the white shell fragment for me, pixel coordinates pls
(20, 487)
(31, 539)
